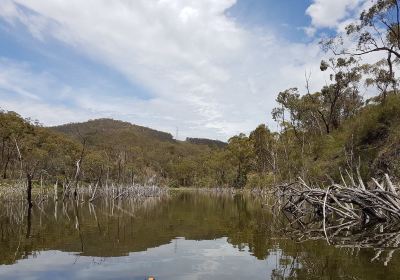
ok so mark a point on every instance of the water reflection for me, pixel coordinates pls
(184, 236)
(382, 238)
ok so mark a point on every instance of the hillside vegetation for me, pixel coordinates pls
(107, 127)
(109, 151)
(207, 142)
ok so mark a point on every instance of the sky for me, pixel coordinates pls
(207, 68)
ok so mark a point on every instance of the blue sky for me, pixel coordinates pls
(211, 68)
(284, 16)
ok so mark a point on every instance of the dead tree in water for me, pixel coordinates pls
(380, 202)
(29, 177)
(78, 165)
(29, 171)
(77, 171)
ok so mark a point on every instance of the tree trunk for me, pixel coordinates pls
(29, 222)
(5, 168)
(391, 74)
(29, 190)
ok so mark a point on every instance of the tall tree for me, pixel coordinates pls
(242, 154)
(264, 149)
(376, 31)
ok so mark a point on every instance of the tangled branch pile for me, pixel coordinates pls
(376, 202)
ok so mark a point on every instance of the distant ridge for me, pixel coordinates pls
(112, 127)
(110, 130)
(208, 142)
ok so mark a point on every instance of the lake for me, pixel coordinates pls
(186, 235)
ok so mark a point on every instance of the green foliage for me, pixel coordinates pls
(27, 148)
(126, 153)
(368, 141)
(263, 147)
(241, 155)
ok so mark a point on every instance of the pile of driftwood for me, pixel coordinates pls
(376, 202)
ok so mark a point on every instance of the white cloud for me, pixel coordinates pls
(309, 30)
(329, 13)
(208, 75)
(14, 79)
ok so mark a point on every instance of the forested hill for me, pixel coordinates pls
(126, 150)
(113, 128)
(99, 130)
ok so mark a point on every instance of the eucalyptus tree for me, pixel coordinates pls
(341, 99)
(376, 31)
(379, 75)
(264, 146)
(335, 102)
(241, 153)
(12, 129)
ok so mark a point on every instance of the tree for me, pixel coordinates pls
(328, 108)
(264, 149)
(12, 129)
(341, 99)
(377, 30)
(379, 76)
(241, 153)
(33, 153)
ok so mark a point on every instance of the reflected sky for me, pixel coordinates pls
(180, 259)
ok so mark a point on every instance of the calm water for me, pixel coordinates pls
(185, 236)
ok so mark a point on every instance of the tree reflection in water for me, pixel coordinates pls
(113, 228)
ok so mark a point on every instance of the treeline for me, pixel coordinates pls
(367, 141)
